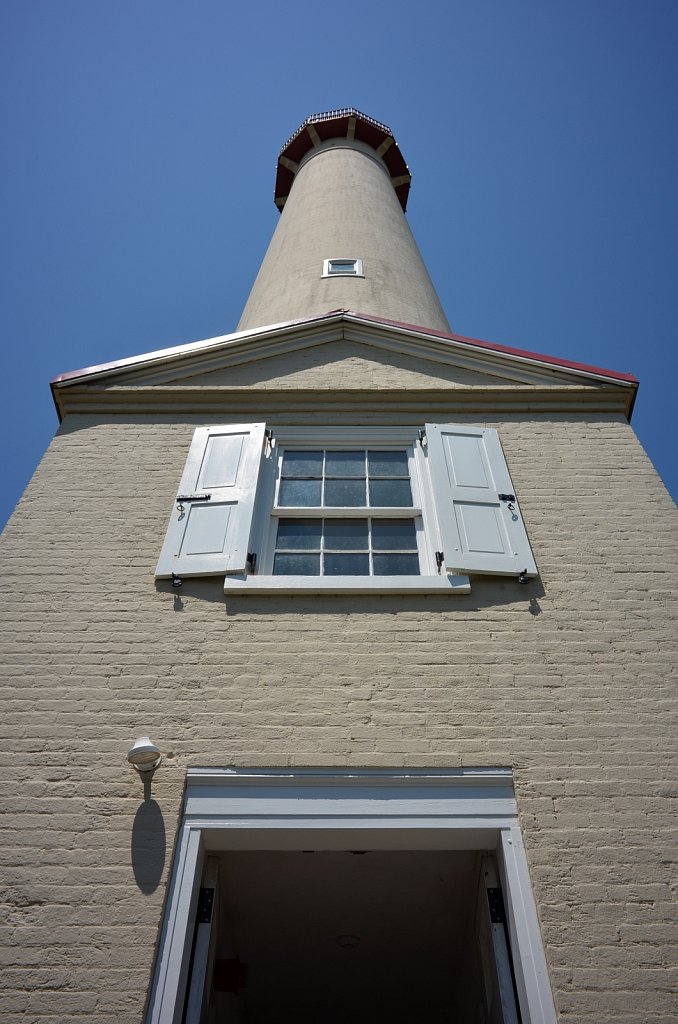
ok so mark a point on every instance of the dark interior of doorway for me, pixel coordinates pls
(331, 937)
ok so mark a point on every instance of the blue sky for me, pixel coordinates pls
(139, 149)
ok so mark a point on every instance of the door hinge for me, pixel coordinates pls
(205, 904)
(495, 902)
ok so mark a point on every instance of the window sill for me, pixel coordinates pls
(347, 584)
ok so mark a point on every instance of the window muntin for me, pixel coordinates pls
(379, 531)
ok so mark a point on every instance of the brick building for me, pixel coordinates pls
(407, 661)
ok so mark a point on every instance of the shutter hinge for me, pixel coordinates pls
(440, 558)
(270, 440)
(423, 439)
(251, 561)
(506, 497)
(205, 903)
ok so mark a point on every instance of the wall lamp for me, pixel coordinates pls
(144, 755)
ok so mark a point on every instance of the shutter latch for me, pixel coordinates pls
(193, 497)
(181, 498)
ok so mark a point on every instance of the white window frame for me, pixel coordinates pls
(266, 515)
(356, 271)
(294, 809)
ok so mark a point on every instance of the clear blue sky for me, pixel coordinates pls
(139, 143)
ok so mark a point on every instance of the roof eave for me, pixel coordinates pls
(178, 352)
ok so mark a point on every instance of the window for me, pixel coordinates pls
(343, 268)
(364, 521)
(424, 868)
(360, 508)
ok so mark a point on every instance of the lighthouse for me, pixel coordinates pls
(338, 653)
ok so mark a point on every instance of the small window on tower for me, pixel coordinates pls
(343, 268)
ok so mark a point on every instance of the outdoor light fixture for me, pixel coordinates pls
(144, 755)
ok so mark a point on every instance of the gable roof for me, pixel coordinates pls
(256, 342)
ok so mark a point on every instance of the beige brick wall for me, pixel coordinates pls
(567, 680)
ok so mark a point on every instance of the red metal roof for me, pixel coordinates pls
(458, 339)
(521, 353)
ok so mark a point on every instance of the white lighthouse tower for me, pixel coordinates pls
(343, 241)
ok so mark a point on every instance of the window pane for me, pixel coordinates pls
(394, 535)
(299, 533)
(346, 565)
(388, 463)
(345, 492)
(299, 464)
(345, 464)
(396, 565)
(341, 266)
(390, 492)
(296, 565)
(304, 493)
(346, 535)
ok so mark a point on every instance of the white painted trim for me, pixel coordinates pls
(530, 967)
(422, 510)
(248, 809)
(165, 1004)
(347, 584)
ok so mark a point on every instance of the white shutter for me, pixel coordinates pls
(480, 530)
(209, 534)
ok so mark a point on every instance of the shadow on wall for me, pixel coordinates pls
(148, 847)
(486, 592)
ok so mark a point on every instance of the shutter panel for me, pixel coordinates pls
(210, 536)
(479, 532)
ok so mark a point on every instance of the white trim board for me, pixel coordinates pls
(254, 809)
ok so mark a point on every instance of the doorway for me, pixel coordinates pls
(350, 895)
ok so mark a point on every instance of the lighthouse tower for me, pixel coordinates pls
(342, 241)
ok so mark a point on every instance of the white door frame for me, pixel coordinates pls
(292, 809)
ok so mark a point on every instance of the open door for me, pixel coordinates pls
(204, 944)
(500, 1004)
